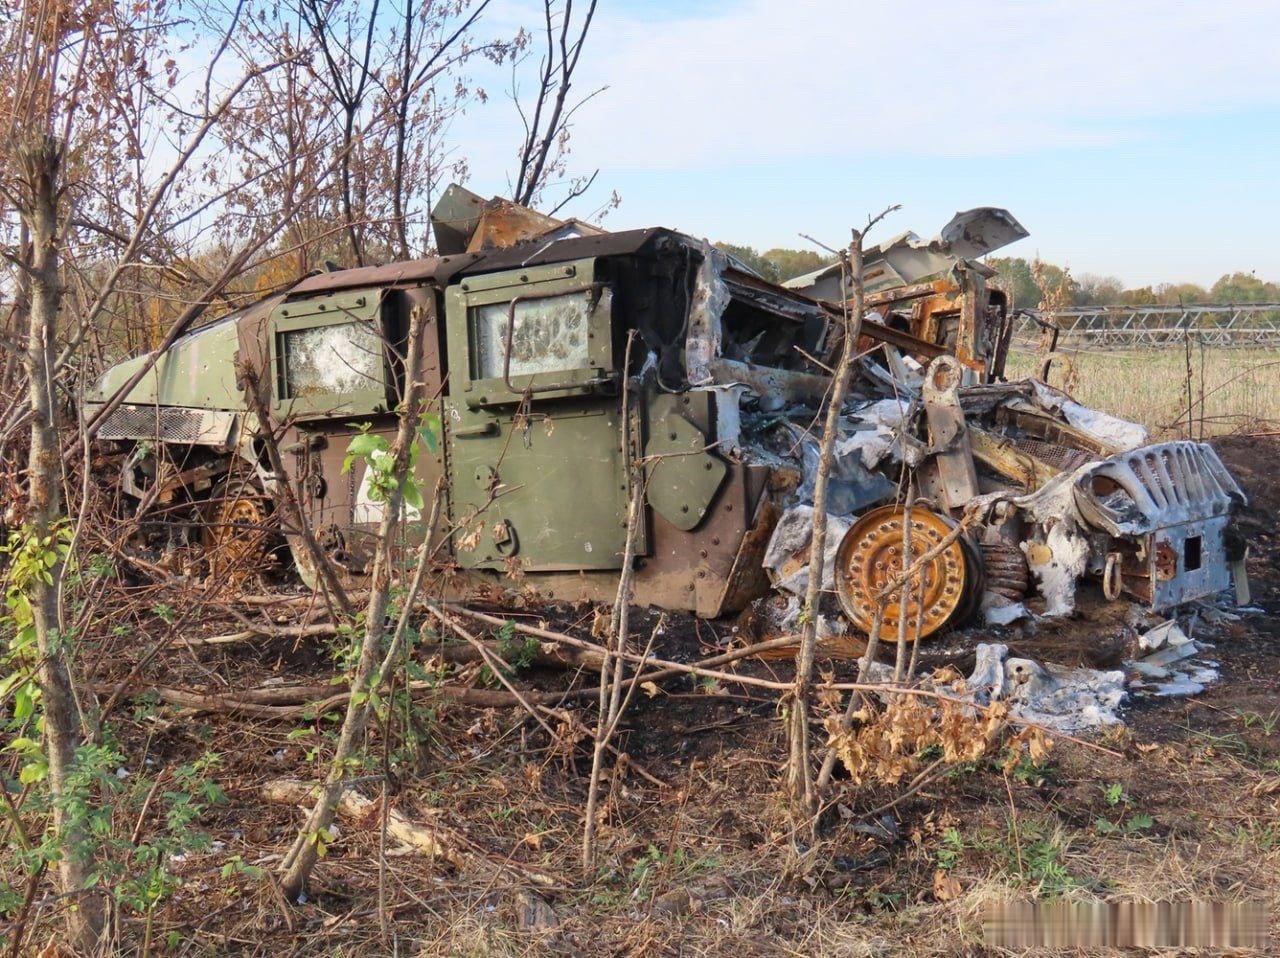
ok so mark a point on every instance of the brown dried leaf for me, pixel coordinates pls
(600, 623)
(946, 887)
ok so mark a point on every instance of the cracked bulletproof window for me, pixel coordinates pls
(327, 360)
(550, 334)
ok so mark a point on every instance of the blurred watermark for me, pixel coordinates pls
(1126, 925)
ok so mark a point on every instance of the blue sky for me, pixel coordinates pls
(1131, 137)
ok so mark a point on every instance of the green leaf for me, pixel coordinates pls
(364, 446)
(413, 495)
(431, 431)
(24, 704)
(33, 772)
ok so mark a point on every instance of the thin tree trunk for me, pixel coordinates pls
(41, 163)
(327, 580)
(612, 668)
(303, 855)
(904, 598)
(800, 783)
(348, 144)
(799, 770)
(402, 132)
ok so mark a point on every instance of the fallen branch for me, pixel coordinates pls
(667, 668)
(497, 664)
(438, 844)
(322, 630)
(554, 658)
(290, 703)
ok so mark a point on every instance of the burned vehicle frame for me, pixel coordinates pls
(532, 327)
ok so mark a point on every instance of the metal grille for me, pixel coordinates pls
(1062, 458)
(1157, 486)
(1123, 327)
(167, 424)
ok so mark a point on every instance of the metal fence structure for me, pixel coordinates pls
(1255, 325)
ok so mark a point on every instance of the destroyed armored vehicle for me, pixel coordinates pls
(533, 326)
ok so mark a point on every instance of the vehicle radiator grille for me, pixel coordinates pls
(167, 424)
(1060, 457)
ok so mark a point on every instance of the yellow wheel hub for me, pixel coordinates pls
(871, 556)
(235, 536)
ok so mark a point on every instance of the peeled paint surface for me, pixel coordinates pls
(1057, 574)
(997, 610)
(728, 417)
(1170, 667)
(886, 417)
(851, 487)
(710, 297)
(788, 620)
(1074, 700)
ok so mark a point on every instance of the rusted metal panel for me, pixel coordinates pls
(1005, 457)
(948, 432)
(747, 579)
(874, 332)
(503, 224)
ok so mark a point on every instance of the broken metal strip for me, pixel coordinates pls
(769, 381)
(878, 332)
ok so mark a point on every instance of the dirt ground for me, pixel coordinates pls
(1182, 805)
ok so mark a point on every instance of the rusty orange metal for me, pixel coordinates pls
(871, 556)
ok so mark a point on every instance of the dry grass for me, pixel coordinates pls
(1241, 387)
(704, 865)
(717, 835)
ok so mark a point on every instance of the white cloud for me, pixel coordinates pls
(772, 80)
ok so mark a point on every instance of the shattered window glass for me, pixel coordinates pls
(550, 334)
(324, 360)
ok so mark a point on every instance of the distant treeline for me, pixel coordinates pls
(1030, 280)
(1090, 289)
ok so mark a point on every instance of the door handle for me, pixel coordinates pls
(480, 429)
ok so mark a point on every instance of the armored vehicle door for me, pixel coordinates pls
(537, 465)
(337, 363)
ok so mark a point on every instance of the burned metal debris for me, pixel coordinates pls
(1015, 492)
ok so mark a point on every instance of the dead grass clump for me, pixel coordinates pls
(888, 745)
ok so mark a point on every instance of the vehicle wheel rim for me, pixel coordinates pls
(870, 557)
